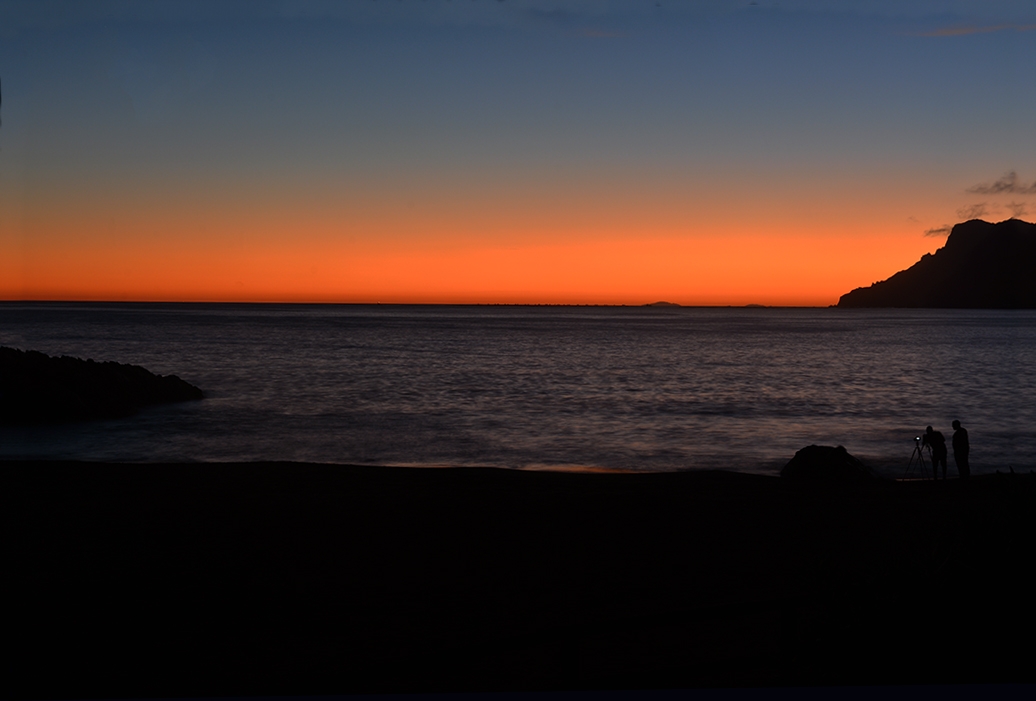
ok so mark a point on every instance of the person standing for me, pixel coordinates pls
(961, 448)
(937, 444)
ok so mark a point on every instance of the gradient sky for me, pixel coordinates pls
(503, 150)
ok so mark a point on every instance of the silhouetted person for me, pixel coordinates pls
(936, 442)
(961, 448)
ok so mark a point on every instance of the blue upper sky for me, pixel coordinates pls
(510, 84)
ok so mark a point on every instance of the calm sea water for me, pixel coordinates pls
(544, 387)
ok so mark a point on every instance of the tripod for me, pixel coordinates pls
(917, 460)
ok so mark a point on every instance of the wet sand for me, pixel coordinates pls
(275, 578)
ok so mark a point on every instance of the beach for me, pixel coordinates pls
(232, 579)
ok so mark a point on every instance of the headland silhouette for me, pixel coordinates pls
(982, 266)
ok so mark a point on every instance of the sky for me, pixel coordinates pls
(503, 151)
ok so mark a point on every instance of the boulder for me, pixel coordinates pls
(822, 463)
(38, 388)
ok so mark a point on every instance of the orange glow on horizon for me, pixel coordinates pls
(790, 270)
(607, 245)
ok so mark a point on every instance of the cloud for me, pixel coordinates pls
(943, 230)
(972, 211)
(555, 17)
(579, 22)
(964, 30)
(1006, 184)
(1017, 209)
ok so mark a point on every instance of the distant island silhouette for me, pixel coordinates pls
(662, 304)
(36, 388)
(982, 266)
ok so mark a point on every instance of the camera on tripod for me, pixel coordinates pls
(917, 461)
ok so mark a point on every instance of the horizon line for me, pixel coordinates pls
(655, 305)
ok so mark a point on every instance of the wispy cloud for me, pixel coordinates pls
(1017, 209)
(554, 17)
(972, 211)
(943, 230)
(964, 30)
(1006, 184)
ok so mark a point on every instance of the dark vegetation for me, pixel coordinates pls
(38, 388)
(276, 579)
(982, 266)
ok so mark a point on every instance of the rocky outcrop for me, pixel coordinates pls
(38, 388)
(822, 463)
(982, 266)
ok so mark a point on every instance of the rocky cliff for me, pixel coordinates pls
(982, 266)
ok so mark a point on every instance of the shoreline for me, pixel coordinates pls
(240, 579)
(886, 470)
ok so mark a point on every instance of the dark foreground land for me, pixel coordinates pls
(267, 579)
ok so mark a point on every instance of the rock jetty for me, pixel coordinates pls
(37, 388)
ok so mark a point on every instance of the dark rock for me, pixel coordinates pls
(38, 388)
(822, 463)
(982, 266)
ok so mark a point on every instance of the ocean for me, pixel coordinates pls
(562, 388)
